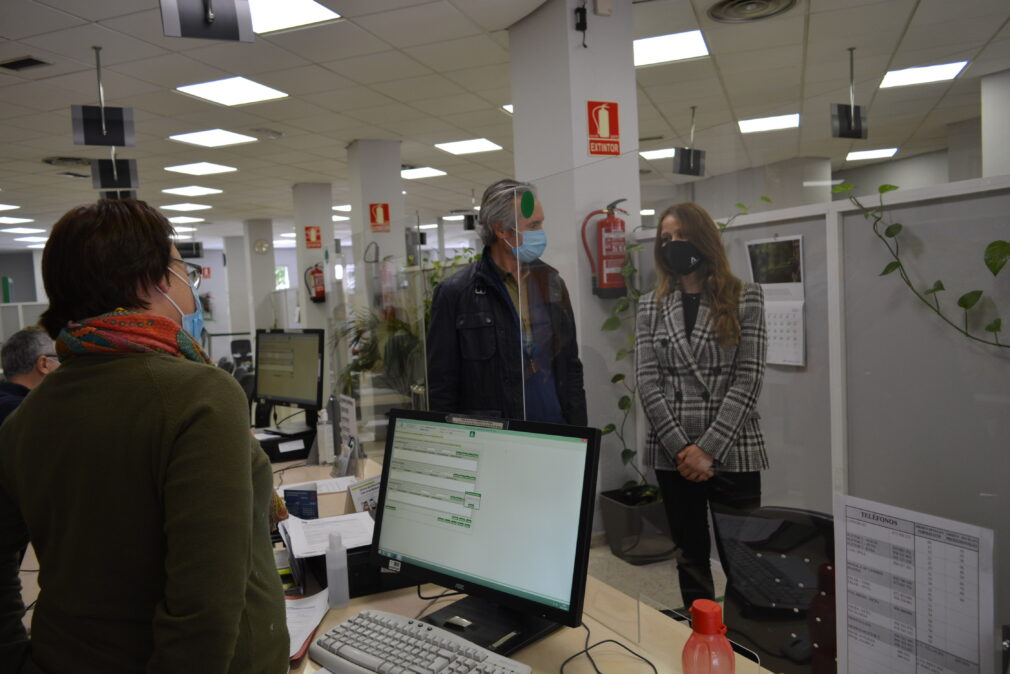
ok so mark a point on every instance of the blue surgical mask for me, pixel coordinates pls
(191, 323)
(534, 243)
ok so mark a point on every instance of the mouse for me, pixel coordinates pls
(457, 623)
(798, 650)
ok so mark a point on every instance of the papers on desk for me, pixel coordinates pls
(304, 616)
(330, 486)
(310, 538)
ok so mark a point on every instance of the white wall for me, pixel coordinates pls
(921, 170)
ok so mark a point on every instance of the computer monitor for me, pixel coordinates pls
(500, 510)
(289, 368)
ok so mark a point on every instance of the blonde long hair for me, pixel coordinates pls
(719, 285)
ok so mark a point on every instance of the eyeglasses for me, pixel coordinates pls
(193, 271)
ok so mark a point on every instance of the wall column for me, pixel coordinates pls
(259, 267)
(995, 124)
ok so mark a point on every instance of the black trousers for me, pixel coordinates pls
(687, 504)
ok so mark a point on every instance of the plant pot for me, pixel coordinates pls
(638, 533)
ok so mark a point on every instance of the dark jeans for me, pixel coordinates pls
(687, 505)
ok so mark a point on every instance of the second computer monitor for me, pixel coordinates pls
(289, 368)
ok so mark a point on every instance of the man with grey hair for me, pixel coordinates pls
(27, 357)
(501, 341)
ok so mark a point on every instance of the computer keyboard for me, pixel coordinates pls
(377, 641)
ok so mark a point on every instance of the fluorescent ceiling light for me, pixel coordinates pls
(339, 218)
(32, 239)
(346, 208)
(468, 146)
(185, 207)
(647, 211)
(769, 123)
(658, 154)
(192, 191)
(201, 168)
(8, 207)
(36, 245)
(184, 220)
(404, 192)
(288, 235)
(21, 230)
(922, 74)
(509, 108)
(184, 230)
(232, 91)
(181, 237)
(871, 154)
(666, 48)
(422, 172)
(822, 183)
(432, 226)
(284, 243)
(453, 217)
(8, 220)
(213, 138)
(270, 15)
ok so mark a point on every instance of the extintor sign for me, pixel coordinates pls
(604, 128)
(313, 237)
(378, 216)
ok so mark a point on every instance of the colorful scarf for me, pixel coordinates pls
(124, 331)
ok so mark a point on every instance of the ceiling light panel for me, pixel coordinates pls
(201, 168)
(182, 237)
(192, 191)
(270, 15)
(32, 239)
(232, 91)
(769, 123)
(8, 220)
(922, 74)
(882, 153)
(8, 207)
(213, 138)
(345, 208)
(185, 207)
(422, 172)
(36, 245)
(184, 220)
(288, 235)
(658, 154)
(431, 226)
(339, 218)
(468, 146)
(184, 230)
(666, 48)
(647, 211)
(21, 230)
(509, 108)
(453, 217)
(284, 243)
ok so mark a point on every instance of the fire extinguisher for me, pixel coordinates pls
(608, 281)
(315, 283)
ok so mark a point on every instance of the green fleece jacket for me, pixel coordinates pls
(147, 502)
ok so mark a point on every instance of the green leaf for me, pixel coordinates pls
(968, 300)
(996, 255)
(843, 187)
(609, 428)
(628, 270)
(937, 287)
(885, 188)
(890, 268)
(765, 199)
(621, 305)
(627, 456)
(623, 353)
(612, 323)
(892, 230)
(722, 225)
(629, 484)
(742, 207)
(619, 377)
(634, 248)
(624, 403)
(995, 326)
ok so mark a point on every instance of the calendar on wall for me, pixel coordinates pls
(777, 264)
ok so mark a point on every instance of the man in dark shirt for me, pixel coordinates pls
(27, 357)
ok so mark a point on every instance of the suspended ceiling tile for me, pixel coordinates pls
(329, 42)
(447, 105)
(38, 95)
(166, 103)
(76, 43)
(355, 8)
(477, 50)
(678, 71)
(441, 22)
(349, 99)
(425, 125)
(84, 86)
(497, 77)
(478, 118)
(96, 10)
(171, 70)
(327, 122)
(660, 18)
(8, 109)
(308, 79)
(381, 67)
(419, 88)
(146, 25)
(385, 115)
(23, 18)
(247, 58)
(683, 95)
(728, 38)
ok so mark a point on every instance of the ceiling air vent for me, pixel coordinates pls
(739, 11)
(67, 161)
(22, 63)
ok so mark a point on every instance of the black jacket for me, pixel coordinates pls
(11, 395)
(474, 344)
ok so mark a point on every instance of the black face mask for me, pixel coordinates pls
(681, 257)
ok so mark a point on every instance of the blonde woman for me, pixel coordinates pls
(700, 359)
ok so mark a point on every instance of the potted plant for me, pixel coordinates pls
(633, 515)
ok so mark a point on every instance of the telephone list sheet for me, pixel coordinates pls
(914, 592)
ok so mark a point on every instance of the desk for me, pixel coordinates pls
(329, 504)
(661, 641)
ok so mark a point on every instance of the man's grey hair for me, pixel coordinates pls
(24, 347)
(498, 206)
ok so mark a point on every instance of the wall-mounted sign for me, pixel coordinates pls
(378, 216)
(604, 128)
(206, 272)
(313, 237)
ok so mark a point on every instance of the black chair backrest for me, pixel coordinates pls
(241, 351)
(225, 364)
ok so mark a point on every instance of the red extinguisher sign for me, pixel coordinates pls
(604, 128)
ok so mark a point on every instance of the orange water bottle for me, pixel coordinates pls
(707, 650)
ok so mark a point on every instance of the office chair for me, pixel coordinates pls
(225, 364)
(241, 352)
(247, 380)
(780, 602)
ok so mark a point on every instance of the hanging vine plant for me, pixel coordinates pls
(995, 257)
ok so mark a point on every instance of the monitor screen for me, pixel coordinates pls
(501, 511)
(289, 367)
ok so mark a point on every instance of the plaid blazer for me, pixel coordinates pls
(698, 392)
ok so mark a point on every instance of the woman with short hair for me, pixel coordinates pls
(132, 470)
